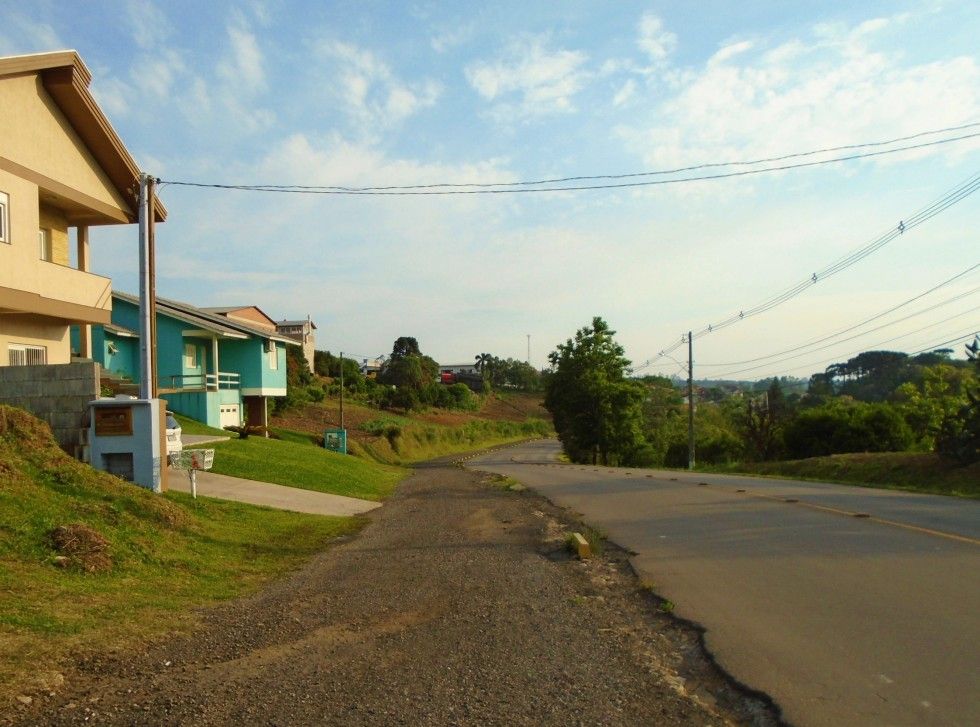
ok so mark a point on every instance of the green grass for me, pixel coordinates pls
(913, 471)
(192, 426)
(417, 442)
(297, 464)
(169, 555)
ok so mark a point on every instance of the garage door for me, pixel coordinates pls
(231, 415)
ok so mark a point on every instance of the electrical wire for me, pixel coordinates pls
(421, 190)
(873, 347)
(875, 317)
(950, 198)
(861, 335)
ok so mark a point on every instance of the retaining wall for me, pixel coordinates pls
(56, 393)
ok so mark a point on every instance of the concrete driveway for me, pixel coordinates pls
(841, 618)
(223, 487)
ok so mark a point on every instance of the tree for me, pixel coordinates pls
(596, 408)
(762, 420)
(408, 368)
(963, 442)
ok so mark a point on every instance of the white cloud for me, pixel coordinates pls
(371, 92)
(148, 24)
(545, 81)
(727, 52)
(625, 93)
(831, 89)
(244, 66)
(653, 39)
(23, 35)
(449, 38)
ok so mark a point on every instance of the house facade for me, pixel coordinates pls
(63, 171)
(302, 332)
(213, 368)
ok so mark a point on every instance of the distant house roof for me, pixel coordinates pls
(301, 322)
(249, 314)
(215, 323)
(66, 79)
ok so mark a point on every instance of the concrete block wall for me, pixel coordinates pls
(57, 393)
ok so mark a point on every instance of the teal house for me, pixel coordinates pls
(213, 367)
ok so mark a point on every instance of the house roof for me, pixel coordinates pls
(66, 79)
(230, 311)
(301, 322)
(212, 322)
(119, 330)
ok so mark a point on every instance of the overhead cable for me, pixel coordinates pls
(854, 327)
(875, 347)
(489, 188)
(950, 198)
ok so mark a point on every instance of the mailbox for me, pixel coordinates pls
(127, 438)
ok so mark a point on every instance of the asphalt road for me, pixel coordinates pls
(846, 605)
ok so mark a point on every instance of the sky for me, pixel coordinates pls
(361, 94)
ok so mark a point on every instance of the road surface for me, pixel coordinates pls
(847, 605)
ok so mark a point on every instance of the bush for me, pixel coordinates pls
(839, 427)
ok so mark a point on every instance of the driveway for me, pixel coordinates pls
(223, 487)
(847, 605)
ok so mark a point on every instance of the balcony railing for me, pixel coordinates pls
(202, 382)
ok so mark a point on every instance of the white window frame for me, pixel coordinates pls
(4, 217)
(45, 248)
(273, 354)
(25, 354)
(191, 360)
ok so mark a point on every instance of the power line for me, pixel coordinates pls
(950, 198)
(429, 190)
(861, 335)
(965, 334)
(875, 317)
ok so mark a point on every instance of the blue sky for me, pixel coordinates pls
(376, 93)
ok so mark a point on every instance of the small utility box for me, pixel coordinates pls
(335, 440)
(126, 439)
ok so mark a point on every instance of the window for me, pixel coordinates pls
(273, 353)
(4, 224)
(44, 243)
(23, 355)
(190, 356)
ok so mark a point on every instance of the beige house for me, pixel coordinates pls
(302, 332)
(63, 170)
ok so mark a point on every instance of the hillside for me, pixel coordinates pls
(88, 560)
(403, 438)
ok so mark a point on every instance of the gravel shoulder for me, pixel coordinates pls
(456, 605)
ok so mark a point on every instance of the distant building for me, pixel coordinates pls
(302, 332)
(458, 368)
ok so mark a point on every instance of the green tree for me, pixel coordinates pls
(411, 372)
(761, 421)
(596, 408)
(963, 441)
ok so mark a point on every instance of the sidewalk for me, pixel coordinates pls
(210, 484)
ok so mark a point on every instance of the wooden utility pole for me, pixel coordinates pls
(341, 389)
(690, 401)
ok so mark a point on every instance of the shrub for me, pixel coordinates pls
(840, 426)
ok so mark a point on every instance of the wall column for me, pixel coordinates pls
(82, 256)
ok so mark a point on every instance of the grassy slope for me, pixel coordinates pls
(296, 462)
(169, 554)
(919, 472)
(505, 417)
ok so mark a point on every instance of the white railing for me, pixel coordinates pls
(204, 382)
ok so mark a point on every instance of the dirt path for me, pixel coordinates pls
(456, 606)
